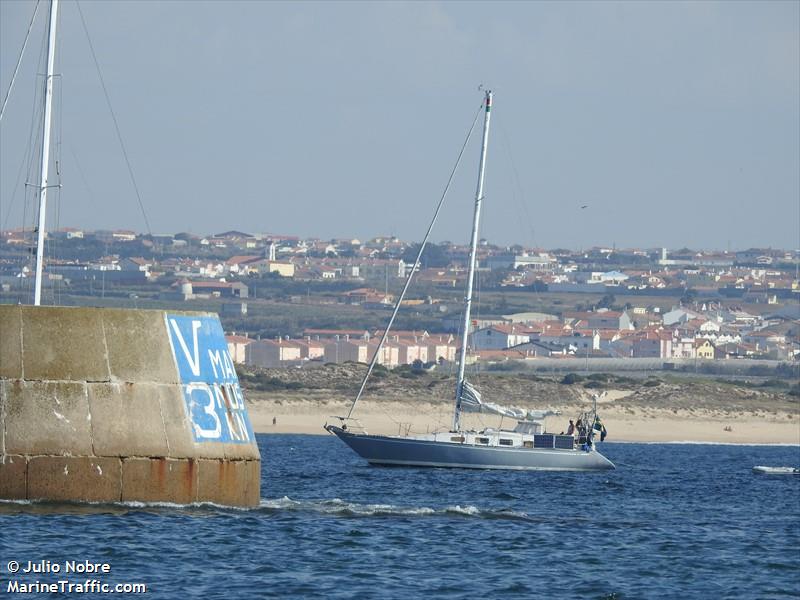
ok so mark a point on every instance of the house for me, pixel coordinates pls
(335, 334)
(311, 349)
(496, 356)
(19, 236)
(360, 350)
(764, 339)
(243, 264)
(327, 273)
(365, 296)
(737, 316)
(271, 353)
(698, 328)
(442, 348)
(282, 268)
(680, 315)
(734, 350)
(532, 349)
(136, 264)
(389, 356)
(120, 235)
(530, 317)
(123, 235)
(538, 262)
(609, 319)
(346, 350)
(704, 349)
(235, 289)
(410, 350)
(499, 336)
(683, 347)
(68, 233)
(601, 278)
(237, 345)
(574, 342)
(599, 319)
(235, 237)
(651, 343)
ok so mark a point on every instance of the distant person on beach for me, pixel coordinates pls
(571, 428)
(274, 420)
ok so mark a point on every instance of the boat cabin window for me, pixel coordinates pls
(527, 444)
(481, 440)
(506, 442)
(457, 438)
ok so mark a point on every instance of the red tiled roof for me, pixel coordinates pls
(237, 260)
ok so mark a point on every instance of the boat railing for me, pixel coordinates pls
(351, 424)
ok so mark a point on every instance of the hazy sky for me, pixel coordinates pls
(677, 123)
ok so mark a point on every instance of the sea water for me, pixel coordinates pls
(673, 521)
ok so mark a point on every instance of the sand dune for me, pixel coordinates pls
(657, 408)
(631, 425)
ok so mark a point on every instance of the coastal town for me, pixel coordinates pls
(400, 299)
(661, 304)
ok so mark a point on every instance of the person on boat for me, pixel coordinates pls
(571, 428)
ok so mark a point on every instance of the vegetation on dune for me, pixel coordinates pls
(340, 383)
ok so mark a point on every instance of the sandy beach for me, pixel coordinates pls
(653, 409)
(645, 425)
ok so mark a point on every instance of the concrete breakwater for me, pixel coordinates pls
(107, 405)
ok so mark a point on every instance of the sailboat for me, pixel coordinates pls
(525, 447)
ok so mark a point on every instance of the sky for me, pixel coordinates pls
(674, 123)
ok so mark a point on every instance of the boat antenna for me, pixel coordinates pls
(45, 164)
(472, 259)
(417, 262)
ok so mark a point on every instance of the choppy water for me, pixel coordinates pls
(673, 521)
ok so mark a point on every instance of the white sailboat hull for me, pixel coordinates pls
(414, 452)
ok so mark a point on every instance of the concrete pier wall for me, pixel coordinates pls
(111, 405)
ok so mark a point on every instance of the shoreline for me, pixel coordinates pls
(633, 425)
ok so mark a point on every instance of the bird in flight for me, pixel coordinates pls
(585, 206)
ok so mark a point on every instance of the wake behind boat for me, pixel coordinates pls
(526, 447)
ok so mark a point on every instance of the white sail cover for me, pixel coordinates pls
(471, 402)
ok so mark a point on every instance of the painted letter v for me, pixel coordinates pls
(194, 365)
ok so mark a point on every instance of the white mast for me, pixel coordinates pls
(43, 182)
(471, 274)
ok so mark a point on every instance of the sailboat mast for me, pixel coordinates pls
(45, 165)
(472, 259)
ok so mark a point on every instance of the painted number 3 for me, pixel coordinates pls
(208, 409)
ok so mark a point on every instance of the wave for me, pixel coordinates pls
(339, 507)
(335, 507)
(115, 507)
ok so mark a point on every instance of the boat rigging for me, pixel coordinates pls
(526, 447)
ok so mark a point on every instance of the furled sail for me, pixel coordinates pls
(471, 402)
